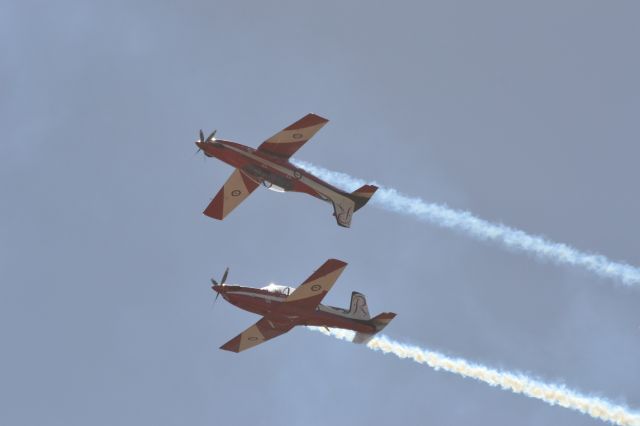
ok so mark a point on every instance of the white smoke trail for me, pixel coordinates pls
(441, 215)
(552, 394)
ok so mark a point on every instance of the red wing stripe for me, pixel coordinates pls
(248, 182)
(328, 267)
(214, 209)
(289, 140)
(282, 149)
(258, 333)
(307, 121)
(311, 292)
(235, 190)
(232, 345)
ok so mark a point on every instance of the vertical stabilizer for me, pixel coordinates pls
(358, 308)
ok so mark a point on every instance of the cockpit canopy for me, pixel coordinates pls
(281, 289)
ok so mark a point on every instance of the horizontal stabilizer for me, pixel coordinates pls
(380, 322)
(362, 195)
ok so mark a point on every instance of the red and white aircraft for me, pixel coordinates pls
(269, 165)
(282, 308)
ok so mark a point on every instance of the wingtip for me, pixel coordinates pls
(308, 120)
(335, 263)
(212, 216)
(214, 210)
(232, 345)
(387, 316)
(317, 117)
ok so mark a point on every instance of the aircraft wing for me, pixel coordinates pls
(235, 190)
(258, 333)
(313, 290)
(286, 142)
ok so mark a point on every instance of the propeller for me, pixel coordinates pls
(210, 138)
(222, 281)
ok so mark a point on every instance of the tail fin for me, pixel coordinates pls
(358, 308)
(362, 195)
(379, 322)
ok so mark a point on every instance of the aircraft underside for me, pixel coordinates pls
(283, 307)
(279, 182)
(269, 165)
(322, 317)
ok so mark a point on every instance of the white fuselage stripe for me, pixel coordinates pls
(323, 308)
(257, 295)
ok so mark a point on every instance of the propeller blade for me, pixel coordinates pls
(201, 136)
(214, 282)
(213, 304)
(210, 138)
(224, 277)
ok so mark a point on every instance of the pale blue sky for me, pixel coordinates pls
(525, 113)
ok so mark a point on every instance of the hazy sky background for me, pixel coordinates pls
(524, 113)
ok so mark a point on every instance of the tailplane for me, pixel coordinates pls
(379, 322)
(362, 195)
(344, 207)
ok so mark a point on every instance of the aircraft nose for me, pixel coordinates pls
(202, 147)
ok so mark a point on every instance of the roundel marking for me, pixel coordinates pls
(316, 287)
(252, 338)
(296, 135)
(236, 192)
(297, 174)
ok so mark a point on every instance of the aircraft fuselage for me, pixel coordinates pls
(273, 306)
(269, 170)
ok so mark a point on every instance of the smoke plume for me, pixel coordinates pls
(463, 221)
(552, 394)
